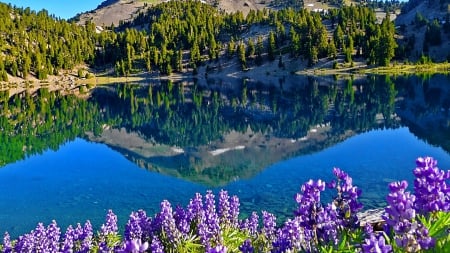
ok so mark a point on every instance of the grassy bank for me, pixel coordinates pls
(104, 80)
(394, 69)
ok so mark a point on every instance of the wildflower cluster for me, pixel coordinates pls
(430, 186)
(406, 213)
(413, 223)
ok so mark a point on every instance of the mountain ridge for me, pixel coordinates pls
(116, 11)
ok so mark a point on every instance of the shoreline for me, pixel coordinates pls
(393, 69)
(269, 72)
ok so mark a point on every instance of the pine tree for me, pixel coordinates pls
(231, 48)
(272, 46)
(250, 48)
(387, 43)
(241, 54)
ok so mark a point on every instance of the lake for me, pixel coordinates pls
(130, 146)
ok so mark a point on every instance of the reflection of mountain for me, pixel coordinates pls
(237, 155)
(214, 135)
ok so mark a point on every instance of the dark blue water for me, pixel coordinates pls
(82, 180)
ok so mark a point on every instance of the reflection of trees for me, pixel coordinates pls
(357, 104)
(31, 124)
(189, 115)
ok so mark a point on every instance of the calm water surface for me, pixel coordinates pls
(85, 175)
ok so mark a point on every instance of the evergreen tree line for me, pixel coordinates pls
(178, 36)
(185, 34)
(34, 42)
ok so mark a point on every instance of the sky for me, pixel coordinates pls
(61, 8)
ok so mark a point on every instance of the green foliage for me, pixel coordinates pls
(233, 238)
(111, 240)
(33, 124)
(272, 46)
(251, 48)
(424, 59)
(438, 224)
(241, 55)
(190, 245)
(187, 33)
(80, 73)
(41, 44)
(231, 48)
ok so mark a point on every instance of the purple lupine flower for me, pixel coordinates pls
(25, 243)
(246, 247)
(290, 237)
(133, 229)
(368, 229)
(146, 225)
(181, 220)
(326, 227)
(39, 237)
(211, 218)
(7, 246)
(430, 187)
(78, 232)
(224, 208)
(251, 224)
(78, 239)
(164, 223)
(156, 246)
(195, 207)
(134, 246)
(346, 201)
(319, 223)
(40, 240)
(218, 249)
(69, 237)
(234, 211)
(107, 229)
(311, 194)
(376, 245)
(86, 237)
(269, 225)
(53, 234)
(309, 201)
(202, 229)
(110, 226)
(401, 206)
(408, 233)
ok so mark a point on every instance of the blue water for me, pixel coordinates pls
(82, 180)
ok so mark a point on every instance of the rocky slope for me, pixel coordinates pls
(408, 27)
(113, 11)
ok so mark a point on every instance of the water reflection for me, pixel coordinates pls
(258, 141)
(216, 134)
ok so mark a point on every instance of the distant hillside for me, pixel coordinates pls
(111, 12)
(425, 29)
(114, 11)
